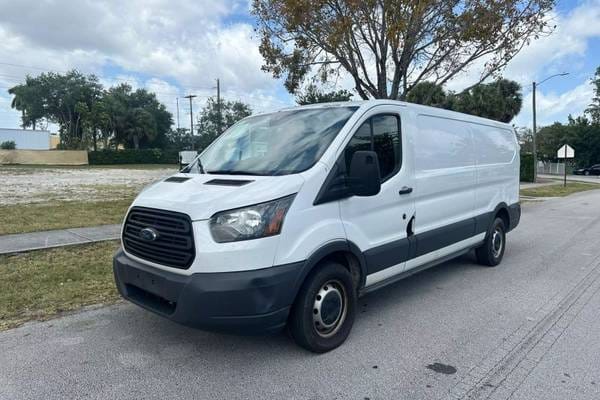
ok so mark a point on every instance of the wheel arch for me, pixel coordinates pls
(341, 251)
(501, 211)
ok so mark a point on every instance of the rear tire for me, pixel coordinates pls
(324, 311)
(491, 252)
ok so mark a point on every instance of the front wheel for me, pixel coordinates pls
(490, 253)
(324, 311)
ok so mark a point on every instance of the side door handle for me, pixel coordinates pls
(405, 190)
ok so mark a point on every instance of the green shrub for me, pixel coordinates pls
(527, 167)
(8, 145)
(130, 156)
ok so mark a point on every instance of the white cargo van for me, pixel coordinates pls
(288, 217)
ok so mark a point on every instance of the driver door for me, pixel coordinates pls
(379, 224)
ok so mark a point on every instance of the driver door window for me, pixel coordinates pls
(380, 133)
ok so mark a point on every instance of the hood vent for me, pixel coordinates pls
(177, 179)
(228, 182)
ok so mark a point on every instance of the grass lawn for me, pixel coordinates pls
(41, 284)
(59, 215)
(558, 190)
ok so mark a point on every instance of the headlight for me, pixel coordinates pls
(253, 222)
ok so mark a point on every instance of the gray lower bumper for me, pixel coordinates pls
(248, 302)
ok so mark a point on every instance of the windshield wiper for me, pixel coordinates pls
(232, 172)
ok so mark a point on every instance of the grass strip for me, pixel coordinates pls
(559, 190)
(22, 218)
(42, 284)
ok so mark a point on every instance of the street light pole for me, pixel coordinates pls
(219, 105)
(191, 96)
(177, 113)
(535, 85)
(534, 136)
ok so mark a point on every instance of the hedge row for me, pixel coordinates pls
(527, 167)
(145, 156)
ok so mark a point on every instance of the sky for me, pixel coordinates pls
(180, 47)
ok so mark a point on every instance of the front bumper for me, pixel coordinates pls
(248, 302)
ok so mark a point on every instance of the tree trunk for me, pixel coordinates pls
(136, 142)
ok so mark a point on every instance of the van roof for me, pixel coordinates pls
(439, 112)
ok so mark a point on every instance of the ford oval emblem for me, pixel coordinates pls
(148, 234)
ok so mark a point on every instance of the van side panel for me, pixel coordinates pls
(445, 174)
(497, 160)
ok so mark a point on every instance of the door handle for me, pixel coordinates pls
(405, 190)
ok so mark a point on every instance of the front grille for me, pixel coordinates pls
(174, 242)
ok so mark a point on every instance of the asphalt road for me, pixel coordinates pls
(528, 329)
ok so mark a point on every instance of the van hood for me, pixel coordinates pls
(202, 195)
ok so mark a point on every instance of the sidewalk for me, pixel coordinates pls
(63, 237)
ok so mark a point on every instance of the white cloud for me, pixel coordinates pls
(552, 107)
(565, 49)
(173, 47)
(178, 47)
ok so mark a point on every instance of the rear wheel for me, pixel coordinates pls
(324, 311)
(492, 250)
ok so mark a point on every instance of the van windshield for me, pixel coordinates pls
(281, 143)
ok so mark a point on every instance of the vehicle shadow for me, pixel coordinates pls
(175, 341)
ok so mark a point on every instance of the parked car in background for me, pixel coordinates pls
(593, 170)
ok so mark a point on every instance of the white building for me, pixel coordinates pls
(26, 139)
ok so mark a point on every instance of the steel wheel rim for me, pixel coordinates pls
(497, 242)
(330, 308)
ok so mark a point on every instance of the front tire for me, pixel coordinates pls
(324, 311)
(492, 250)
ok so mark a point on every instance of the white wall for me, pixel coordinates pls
(26, 139)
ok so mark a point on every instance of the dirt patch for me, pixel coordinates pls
(40, 185)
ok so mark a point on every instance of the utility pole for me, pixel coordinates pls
(177, 113)
(219, 105)
(534, 135)
(191, 96)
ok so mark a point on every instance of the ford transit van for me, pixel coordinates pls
(288, 217)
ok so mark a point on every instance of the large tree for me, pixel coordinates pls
(28, 98)
(388, 46)
(312, 95)
(216, 118)
(579, 133)
(429, 94)
(594, 108)
(60, 98)
(137, 119)
(500, 100)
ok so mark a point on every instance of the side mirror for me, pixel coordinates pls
(364, 178)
